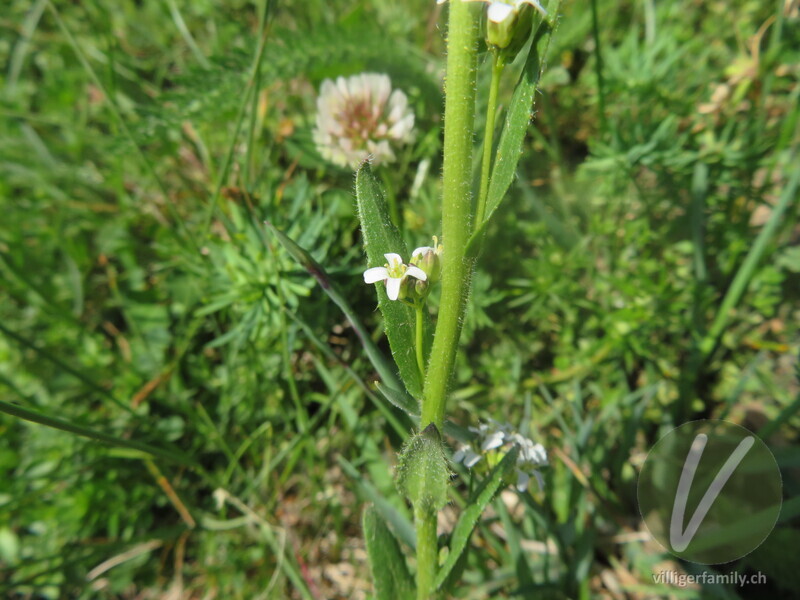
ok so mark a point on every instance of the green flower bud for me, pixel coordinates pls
(423, 475)
(429, 259)
(509, 23)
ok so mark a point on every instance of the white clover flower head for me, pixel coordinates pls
(393, 274)
(360, 117)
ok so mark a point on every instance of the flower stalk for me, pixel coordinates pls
(498, 64)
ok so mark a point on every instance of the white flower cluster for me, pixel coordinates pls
(360, 117)
(494, 436)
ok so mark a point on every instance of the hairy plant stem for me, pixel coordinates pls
(459, 120)
(427, 552)
(498, 65)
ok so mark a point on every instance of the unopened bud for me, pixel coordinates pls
(423, 475)
(428, 258)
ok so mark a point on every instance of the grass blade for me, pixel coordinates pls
(65, 425)
(747, 270)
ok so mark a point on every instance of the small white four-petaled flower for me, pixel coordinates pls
(393, 273)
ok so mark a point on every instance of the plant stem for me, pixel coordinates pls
(598, 68)
(419, 307)
(488, 135)
(459, 121)
(427, 552)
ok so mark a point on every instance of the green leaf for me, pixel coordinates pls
(386, 560)
(469, 518)
(518, 118)
(382, 237)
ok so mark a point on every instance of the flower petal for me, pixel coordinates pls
(393, 259)
(493, 440)
(471, 459)
(499, 12)
(522, 481)
(422, 250)
(375, 274)
(393, 287)
(416, 272)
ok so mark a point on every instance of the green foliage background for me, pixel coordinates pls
(143, 144)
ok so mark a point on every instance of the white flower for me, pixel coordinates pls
(492, 435)
(359, 117)
(501, 437)
(531, 457)
(393, 273)
(466, 456)
(500, 10)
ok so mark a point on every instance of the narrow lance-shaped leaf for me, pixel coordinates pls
(518, 118)
(469, 518)
(382, 237)
(386, 560)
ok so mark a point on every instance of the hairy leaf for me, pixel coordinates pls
(382, 237)
(518, 118)
(386, 560)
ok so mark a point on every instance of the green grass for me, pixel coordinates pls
(189, 404)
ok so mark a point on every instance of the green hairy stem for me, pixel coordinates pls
(459, 117)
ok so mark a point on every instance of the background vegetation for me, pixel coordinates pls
(142, 145)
